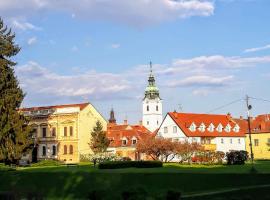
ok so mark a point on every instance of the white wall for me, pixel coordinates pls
(226, 146)
(152, 118)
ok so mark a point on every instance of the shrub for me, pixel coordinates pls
(46, 163)
(236, 157)
(129, 164)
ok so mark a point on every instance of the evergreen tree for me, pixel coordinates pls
(15, 135)
(99, 142)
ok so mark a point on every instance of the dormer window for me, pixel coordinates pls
(134, 140)
(202, 127)
(211, 128)
(228, 128)
(124, 141)
(192, 127)
(219, 128)
(236, 128)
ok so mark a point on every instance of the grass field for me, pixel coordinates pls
(85, 181)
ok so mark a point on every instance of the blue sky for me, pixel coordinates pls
(205, 53)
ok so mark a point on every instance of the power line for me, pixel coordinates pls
(260, 99)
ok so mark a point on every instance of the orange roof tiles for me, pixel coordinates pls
(259, 124)
(116, 133)
(184, 120)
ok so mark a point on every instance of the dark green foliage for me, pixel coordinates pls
(129, 164)
(15, 135)
(236, 157)
(99, 142)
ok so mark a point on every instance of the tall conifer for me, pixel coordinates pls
(99, 142)
(15, 135)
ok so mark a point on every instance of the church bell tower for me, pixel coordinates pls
(152, 104)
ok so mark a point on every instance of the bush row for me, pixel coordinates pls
(129, 164)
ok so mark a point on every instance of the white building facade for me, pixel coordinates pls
(152, 105)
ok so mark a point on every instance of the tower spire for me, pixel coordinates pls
(151, 90)
(112, 118)
(151, 69)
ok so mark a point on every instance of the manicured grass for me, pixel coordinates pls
(84, 180)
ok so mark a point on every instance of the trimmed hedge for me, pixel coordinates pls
(129, 164)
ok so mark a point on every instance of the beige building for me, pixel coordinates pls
(63, 132)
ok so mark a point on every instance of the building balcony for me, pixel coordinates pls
(45, 139)
(210, 147)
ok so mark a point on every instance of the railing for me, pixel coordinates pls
(49, 138)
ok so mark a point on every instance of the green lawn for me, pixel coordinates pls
(218, 181)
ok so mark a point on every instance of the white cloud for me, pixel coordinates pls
(257, 49)
(203, 81)
(139, 12)
(115, 46)
(39, 81)
(31, 40)
(200, 75)
(23, 25)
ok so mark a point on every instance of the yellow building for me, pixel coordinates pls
(63, 132)
(260, 135)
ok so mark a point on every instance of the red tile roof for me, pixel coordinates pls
(259, 124)
(117, 132)
(81, 105)
(184, 120)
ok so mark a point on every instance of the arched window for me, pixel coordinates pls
(70, 149)
(44, 151)
(147, 108)
(65, 149)
(53, 150)
(156, 108)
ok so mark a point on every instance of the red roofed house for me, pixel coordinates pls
(260, 135)
(124, 137)
(215, 132)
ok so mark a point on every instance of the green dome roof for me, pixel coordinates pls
(151, 91)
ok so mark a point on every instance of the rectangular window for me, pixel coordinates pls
(44, 130)
(165, 129)
(239, 141)
(71, 130)
(231, 141)
(268, 141)
(134, 142)
(222, 141)
(175, 129)
(256, 142)
(53, 132)
(65, 131)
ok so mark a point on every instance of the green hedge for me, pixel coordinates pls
(129, 164)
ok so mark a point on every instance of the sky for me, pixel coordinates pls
(207, 55)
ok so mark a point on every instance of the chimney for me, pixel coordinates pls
(229, 116)
(140, 122)
(241, 117)
(125, 122)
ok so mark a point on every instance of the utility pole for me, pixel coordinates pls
(249, 107)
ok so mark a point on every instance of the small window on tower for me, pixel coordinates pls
(156, 108)
(157, 123)
(147, 122)
(147, 108)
